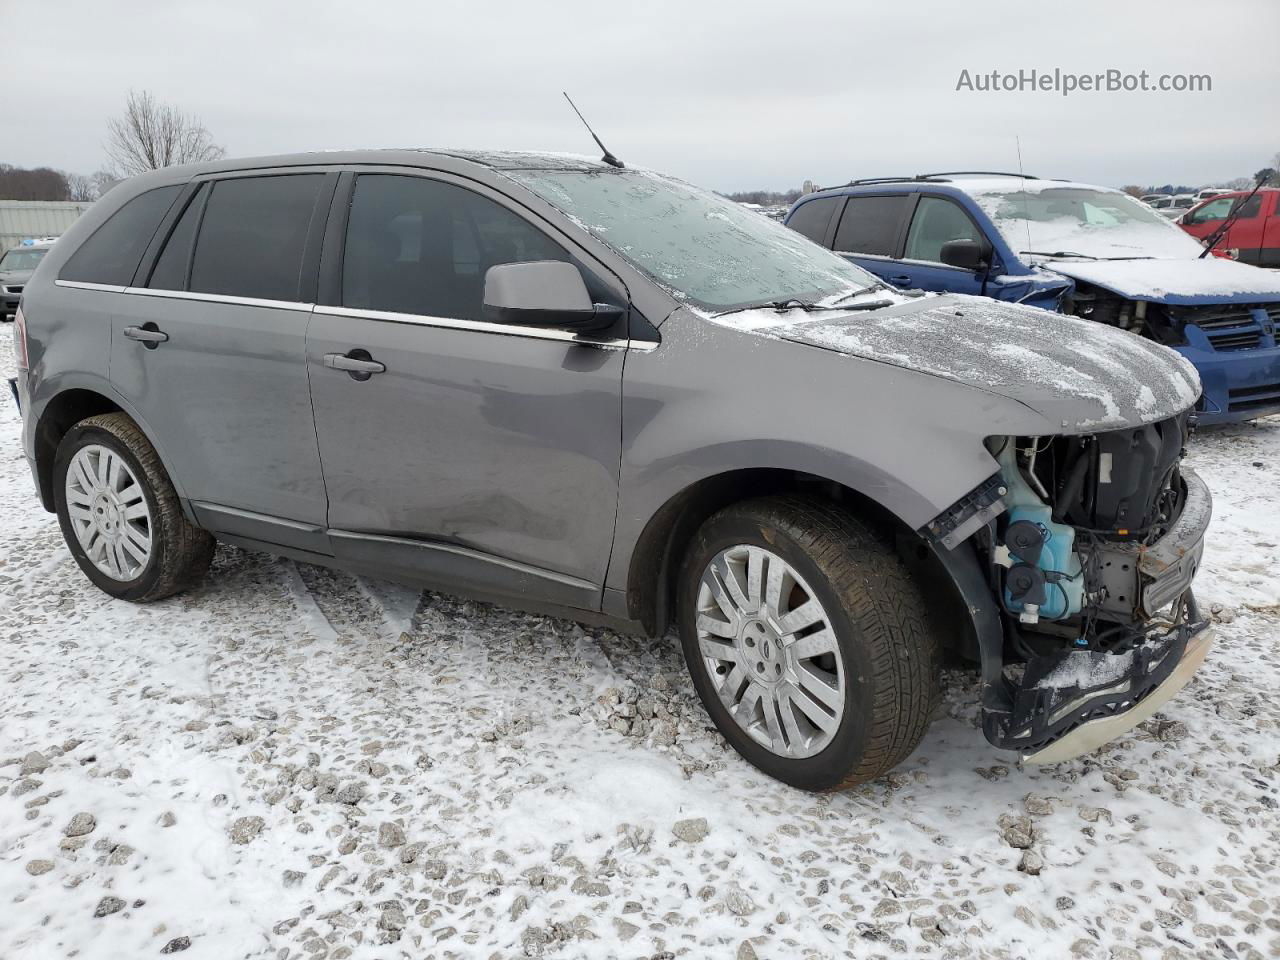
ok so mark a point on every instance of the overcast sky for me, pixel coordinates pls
(730, 95)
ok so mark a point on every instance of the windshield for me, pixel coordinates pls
(20, 259)
(705, 249)
(1081, 220)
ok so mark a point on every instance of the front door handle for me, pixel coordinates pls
(149, 335)
(358, 363)
(901, 280)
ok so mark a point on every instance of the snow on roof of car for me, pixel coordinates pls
(525, 160)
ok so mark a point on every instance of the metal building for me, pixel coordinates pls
(33, 219)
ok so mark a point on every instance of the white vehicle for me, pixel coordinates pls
(1208, 192)
(1174, 207)
(1151, 198)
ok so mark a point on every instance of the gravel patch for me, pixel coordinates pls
(290, 762)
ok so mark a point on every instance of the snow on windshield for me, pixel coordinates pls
(1049, 218)
(706, 250)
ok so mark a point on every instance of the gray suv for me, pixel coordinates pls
(605, 394)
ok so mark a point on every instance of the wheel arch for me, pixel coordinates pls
(656, 558)
(62, 412)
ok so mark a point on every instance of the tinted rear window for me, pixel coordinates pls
(253, 235)
(813, 218)
(112, 252)
(170, 272)
(870, 225)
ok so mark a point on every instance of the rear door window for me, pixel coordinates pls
(113, 251)
(870, 225)
(937, 220)
(813, 217)
(253, 236)
(423, 246)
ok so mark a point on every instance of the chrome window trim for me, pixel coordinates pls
(449, 323)
(480, 326)
(220, 298)
(82, 285)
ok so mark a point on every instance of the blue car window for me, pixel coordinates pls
(935, 222)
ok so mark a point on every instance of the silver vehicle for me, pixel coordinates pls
(605, 394)
(16, 267)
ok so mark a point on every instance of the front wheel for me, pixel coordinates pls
(120, 515)
(807, 641)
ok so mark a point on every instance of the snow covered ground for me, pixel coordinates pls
(294, 763)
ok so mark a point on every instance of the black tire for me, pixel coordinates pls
(877, 612)
(180, 552)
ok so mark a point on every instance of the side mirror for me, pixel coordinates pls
(543, 293)
(966, 254)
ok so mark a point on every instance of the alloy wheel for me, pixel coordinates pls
(770, 651)
(108, 511)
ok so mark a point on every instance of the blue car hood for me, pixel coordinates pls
(1211, 280)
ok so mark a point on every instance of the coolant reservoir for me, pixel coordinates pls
(1057, 591)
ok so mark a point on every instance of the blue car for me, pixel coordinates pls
(1079, 249)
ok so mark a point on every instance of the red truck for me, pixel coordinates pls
(1253, 238)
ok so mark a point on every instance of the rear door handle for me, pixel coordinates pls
(358, 363)
(148, 335)
(901, 280)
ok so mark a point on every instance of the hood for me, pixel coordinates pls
(1188, 281)
(1077, 373)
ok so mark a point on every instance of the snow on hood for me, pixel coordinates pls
(1080, 373)
(1191, 279)
(1095, 221)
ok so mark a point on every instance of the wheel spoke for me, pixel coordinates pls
(100, 468)
(773, 586)
(731, 687)
(746, 707)
(806, 615)
(789, 724)
(131, 494)
(712, 582)
(78, 512)
(772, 725)
(730, 580)
(82, 476)
(113, 473)
(134, 549)
(813, 645)
(718, 650)
(755, 577)
(818, 688)
(820, 718)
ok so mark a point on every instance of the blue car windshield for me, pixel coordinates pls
(703, 248)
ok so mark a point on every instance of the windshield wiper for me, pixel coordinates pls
(1060, 253)
(795, 303)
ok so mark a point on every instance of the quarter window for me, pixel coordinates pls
(253, 235)
(935, 222)
(870, 225)
(423, 246)
(813, 217)
(113, 251)
(170, 272)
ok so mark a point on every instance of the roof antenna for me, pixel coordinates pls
(608, 157)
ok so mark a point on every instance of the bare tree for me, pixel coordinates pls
(1133, 190)
(152, 135)
(81, 187)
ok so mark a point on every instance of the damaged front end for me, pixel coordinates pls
(1076, 561)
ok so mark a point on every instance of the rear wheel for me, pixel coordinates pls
(807, 641)
(120, 515)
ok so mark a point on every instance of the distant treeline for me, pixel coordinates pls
(766, 198)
